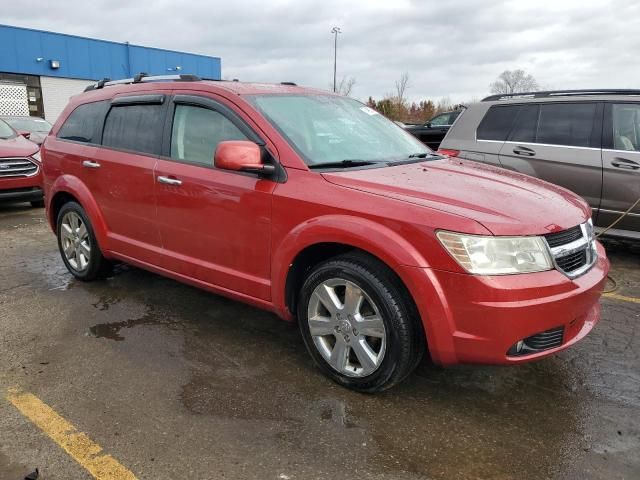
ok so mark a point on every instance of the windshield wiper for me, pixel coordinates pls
(344, 163)
(422, 155)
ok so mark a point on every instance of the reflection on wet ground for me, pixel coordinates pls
(248, 383)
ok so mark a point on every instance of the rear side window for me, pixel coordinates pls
(497, 123)
(566, 124)
(83, 125)
(524, 129)
(137, 128)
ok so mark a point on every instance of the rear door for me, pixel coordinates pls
(215, 224)
(559, 143)
(120, 173)
(621, 166)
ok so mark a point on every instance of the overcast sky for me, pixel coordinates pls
(448, 47)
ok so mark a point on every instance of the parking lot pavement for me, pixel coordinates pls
(172, 382)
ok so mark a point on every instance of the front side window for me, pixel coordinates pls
(566, 124)
(440, 120)
(137, 128)
(626, 127)
(197, 132)
(82, 124)
(6, 131)
(327, 129)
(497, 123)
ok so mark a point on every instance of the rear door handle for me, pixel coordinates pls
(90, 164)
(625, 163)
(527, 152)
(169, 181)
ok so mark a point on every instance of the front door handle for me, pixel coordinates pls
(625, 163)
(90, 164)
(527, 152)
(169, 181)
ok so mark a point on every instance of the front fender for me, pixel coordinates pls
(367, 235)
(73, 186)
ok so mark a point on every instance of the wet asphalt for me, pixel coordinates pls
(176, 383)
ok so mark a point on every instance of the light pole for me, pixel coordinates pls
(335, 31)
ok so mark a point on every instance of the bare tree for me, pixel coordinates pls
(401, 87)
(345, 86)
(514, 81)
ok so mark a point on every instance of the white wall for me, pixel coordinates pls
(56, 93)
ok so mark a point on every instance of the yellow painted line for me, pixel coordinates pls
(624, 298)
(77, 444)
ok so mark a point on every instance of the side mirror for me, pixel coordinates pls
(24, 133)
(241, 155)
(428, 124)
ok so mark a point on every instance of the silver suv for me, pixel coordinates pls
(585, 140)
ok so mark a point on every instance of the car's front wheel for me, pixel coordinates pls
(78, 245)
(358, 324)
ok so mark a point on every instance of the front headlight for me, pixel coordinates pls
(36, 156)
(482, 255)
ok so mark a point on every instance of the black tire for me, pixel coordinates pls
(97, 266)
(37, 203)
(405, 340)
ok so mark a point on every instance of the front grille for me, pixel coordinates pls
(573, 261)
(545, 340)
(573, 250)
(564, 237)
(17, 167)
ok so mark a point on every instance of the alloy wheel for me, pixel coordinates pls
(75, 241)
(346, 327)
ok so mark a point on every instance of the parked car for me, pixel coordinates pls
(585, 140)
(33, 128)
(20, 172)
(316, 207)
(432, 132)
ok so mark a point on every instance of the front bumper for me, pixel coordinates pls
(22, 189)
(477, 319)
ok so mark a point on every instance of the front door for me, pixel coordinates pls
(215, 225)
(621, 160)
(559, 143)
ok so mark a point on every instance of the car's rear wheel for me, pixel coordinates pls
(358, 324)
(78, 245)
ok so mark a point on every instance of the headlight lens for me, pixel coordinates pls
(497, 255)
(36, 156)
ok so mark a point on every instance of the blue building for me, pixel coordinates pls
(40, 70)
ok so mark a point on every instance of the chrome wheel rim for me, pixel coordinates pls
(74, 238)
(346, 327)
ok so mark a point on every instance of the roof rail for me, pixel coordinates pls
(143, 78)
(562, 93)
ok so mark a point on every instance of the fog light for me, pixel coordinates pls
(519, 346)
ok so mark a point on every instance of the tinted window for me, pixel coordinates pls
(134, 127)
(197, 131)
(566, 124)
(626, 127)
(83, 123)
(524, 128)
(497, 123)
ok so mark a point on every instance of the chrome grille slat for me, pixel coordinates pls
(17, 167)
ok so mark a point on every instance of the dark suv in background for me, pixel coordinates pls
(586, 141)
(432, 132)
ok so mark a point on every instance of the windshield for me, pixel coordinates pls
(30, 124)
(6, 131)
(329, 129)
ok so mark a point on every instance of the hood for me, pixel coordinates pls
(17, 146)
(504, 202)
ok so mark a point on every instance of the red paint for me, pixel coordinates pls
(236, 234)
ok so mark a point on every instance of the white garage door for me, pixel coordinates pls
(13, 99)
(56, 93)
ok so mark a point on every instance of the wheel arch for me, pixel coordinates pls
(69, 188)
(323, 238)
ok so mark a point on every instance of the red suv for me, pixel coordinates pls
(315, 207)
(20, 173)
